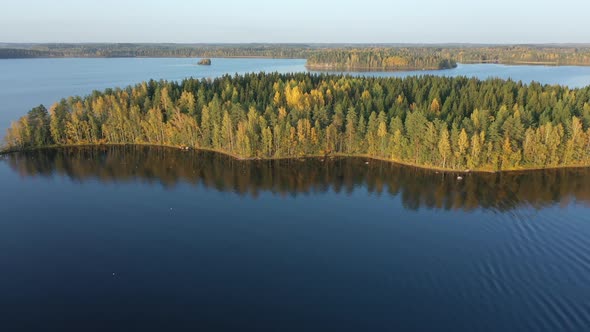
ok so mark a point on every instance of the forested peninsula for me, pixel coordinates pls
(432, 122)
(379, 59)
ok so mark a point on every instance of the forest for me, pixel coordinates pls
(515, 54)
(380, 59)
(433, 122)
(286, 51)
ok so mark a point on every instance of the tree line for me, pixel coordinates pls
(325, 56)
(436, 122)
(523, 54)
(380, 59)
(157, 50)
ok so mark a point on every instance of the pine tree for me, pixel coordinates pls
(444, 146)
(463, 145)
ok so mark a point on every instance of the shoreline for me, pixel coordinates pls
(332, 155)
(336, 69)
(523, 63)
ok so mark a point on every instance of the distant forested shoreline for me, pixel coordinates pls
(325, 56)
(377, 59)
(433, 122)
(154, 50)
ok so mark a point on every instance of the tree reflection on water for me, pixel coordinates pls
(417, 188)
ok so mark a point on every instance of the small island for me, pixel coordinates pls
(204, 62)
(442, 123)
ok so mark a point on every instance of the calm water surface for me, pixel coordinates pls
(158, 239)
(125, 239)
(26, 83)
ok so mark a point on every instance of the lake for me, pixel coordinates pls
(139, 238)
(26, 83)
(153, 238)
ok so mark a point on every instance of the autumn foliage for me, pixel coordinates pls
(451, 123)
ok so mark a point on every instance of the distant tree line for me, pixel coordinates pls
(324, 56)
(437, 122)
(15, 53)
(380, 59)
(157, 50)
(557, 55)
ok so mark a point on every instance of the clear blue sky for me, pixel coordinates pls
(343, 21)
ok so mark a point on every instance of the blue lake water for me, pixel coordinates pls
(138, 239)
(26, 83)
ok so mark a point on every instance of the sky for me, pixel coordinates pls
(300, 21)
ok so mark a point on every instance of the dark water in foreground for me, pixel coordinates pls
(137, 238)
